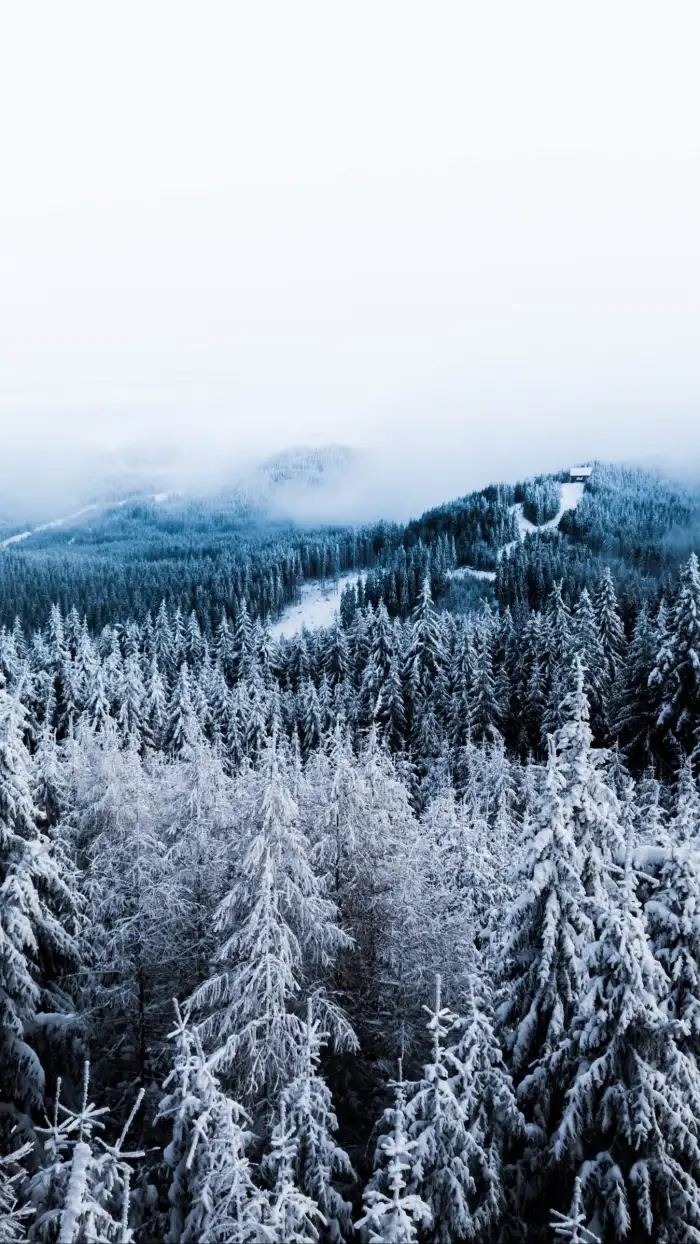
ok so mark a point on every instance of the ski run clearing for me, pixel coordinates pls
(157, 497)
(318, 607)
(570, 496)
(320, 602)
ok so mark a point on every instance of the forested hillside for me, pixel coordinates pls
(384, 932)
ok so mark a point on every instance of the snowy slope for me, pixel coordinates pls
(55, 522)
(571, 495)
(462, 572)
(319, 607)
(66, 519)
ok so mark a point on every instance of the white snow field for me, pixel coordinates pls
(463, 571)
(318, 607)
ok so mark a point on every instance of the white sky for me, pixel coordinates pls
(473, 226)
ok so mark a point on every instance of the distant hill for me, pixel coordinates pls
(304, 484)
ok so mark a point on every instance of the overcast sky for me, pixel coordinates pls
(468, 230)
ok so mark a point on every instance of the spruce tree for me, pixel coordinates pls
(318, 1161)
(461, 1116)
(38, 915)
(629, 1126)
(672, 914)
(290, 1214)
(544, 977)
(276, 930)
(13, 1215)
(80, 1194)
(677, 669)
(491, 1119)
(212, 1196)
(392, 1214)
(436, 1124)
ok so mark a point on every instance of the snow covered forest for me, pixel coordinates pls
(384, 932)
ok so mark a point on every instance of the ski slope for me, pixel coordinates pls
(318, 608)
(571, 495)
(158, 497)
(55, 522)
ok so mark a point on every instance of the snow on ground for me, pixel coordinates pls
(21, 535)
(55, 522)
(319, 607)
(463, 571)
(570, 496)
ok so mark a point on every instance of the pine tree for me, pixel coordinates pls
(200, 817)
(81, 1192)
(389, 714)
(38, 911)
(652, 818)
(425, 654)
(392, 1215)
(182, 730)
(629, 1125)
(134, 908)
(592, 653)
(436, 1123)
(491, 1120)
(571, 1227)
(485, 711)
(635, 707)
(47, 779)
(547, 930)
(318, 1160)
(212, 1196)
(291, 1215)
(241, 652)
(13, 1216)
(610, 629)
(132, 697)
(673, 923)
(276, 930)
(677, 669)
(154, 707)
(98, 704)
(686, 822)
(593, 806)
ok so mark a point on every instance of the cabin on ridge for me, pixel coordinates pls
(580, 474)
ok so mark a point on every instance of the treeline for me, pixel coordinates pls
(426, 684)
(211, 561)
(540, 498)
(200, 558)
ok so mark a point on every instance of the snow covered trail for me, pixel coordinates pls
(571, 495)
(318, 607)
(55, 522)
(69, 518)
(463, 571)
